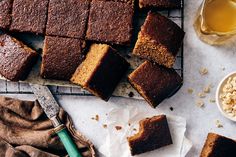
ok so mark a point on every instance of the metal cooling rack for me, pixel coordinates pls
(7, 87)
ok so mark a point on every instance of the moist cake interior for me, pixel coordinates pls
(86, 69)
(147, 48)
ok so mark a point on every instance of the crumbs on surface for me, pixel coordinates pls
(131, 94)
(104, 126)
(118, 127)
(201, 95)
(95, 118)
(207, 89)
(203, 71)
(212, 100)
(200, 103)
(171, 108)
(218, 124)
(190, 90)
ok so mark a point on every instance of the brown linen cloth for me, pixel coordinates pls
(25, 131)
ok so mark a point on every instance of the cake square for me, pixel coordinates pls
(153, 133)
(101, 71)
(130, 2)
(5, 13)
(159, 40)
(61, 57)
(29, 16)
(218, 146)
(160, 4)
(110, 22)
(67, 18)
(154, 82)
(16, 59)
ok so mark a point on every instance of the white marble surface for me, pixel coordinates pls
(199, 121)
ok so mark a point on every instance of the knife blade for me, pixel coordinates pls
(51, 109)
(46, 100)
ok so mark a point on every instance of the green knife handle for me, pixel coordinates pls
(69, 145)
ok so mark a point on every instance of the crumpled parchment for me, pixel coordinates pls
(116, 145)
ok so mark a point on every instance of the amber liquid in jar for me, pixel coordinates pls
(216, 21)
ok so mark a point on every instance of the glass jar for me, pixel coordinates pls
(215, 22)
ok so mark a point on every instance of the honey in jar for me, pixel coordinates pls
(216, 21)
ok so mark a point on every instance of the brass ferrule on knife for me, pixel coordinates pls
(59, 128)
(55, 121)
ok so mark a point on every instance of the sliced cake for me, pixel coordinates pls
(29, 16)
(153, 133)
(5, 13)
(67, 18)
(154, 82)
(16, 59)
(130, 2)
(159, 40)
(101, 71)
(218, 146)
(110, 22)
(160, 4)
(61, 57)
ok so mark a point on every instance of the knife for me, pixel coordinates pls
(51, 109)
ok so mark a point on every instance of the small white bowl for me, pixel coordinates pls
(218, 101)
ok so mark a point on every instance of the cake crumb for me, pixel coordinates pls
(95, 118)
(131, 94)
(129, 124)
(207, 89)
(171, 108)
(212, 100)
(118, 128)
(104, 126)
(200, 104)
(203, 71)
(134, 129)
(201, 95)
(190, 90)
(218, 124)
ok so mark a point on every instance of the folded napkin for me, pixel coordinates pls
(25, 131)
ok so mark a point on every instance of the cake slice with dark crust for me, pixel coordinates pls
(16, 59)
(160, 4)
(130, 2)
(61, 57)
(159, 40)
(67, 18)
(101, 71)
(153, 133)
(218, 146)
(5, 13)
(29, 16)
(110, 22)
(154, 82)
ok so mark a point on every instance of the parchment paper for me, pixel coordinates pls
(116, 145)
